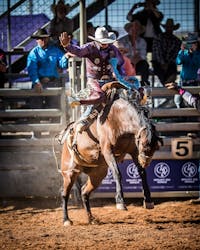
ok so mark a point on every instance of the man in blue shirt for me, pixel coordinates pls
(43, 64)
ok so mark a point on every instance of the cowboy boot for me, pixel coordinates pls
(73, 101)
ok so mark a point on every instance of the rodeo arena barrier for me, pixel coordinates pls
(29, 155)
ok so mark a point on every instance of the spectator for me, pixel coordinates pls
(60, 23)
(90, 30)
(150, 17)
(137, 50)
(164, 52)
(110, 29)
(43, 62)
(189, 58)
(99, 70)
(3, 68)
(128, 66)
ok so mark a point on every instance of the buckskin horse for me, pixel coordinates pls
(122, 127)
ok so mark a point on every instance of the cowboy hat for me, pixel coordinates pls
(155, 2)
(61, 6)
(191, 38)
(170, 23)
(41, 33)
(103, 36)
(140, 27)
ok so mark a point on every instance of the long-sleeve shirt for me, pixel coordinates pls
(190, 64)
(140, 46)
(165, 48)
(45, 62)
(97, 59)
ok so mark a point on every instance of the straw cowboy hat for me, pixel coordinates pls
(170, 23)
(103, 36)
(140, 27)
(41, 33)
(60, 6)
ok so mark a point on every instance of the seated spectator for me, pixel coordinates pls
(150, 17)
(164, 52)
(137, 50)
(189, 58)
(3, 68)
(128, 66)
(60, 23)
(43, 62)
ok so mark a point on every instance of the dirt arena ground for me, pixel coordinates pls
(37, 224)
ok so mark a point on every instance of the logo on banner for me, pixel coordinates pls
(162, 171)
(109, 178)
(132, 173)
(189, 171)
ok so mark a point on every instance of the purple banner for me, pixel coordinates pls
(163, 176)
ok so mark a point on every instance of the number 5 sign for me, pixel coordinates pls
(181, 148)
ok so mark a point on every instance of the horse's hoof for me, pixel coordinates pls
(121, 206)
(148, 205)
(94, 222)
(68, 223)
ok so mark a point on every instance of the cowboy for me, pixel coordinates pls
(164, 52)
(60, 23)
(43, 62)
(98, 67)
(149, 17)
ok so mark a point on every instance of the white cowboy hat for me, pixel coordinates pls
(103, 36)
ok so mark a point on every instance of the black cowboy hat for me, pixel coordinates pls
(61, 6)
(41, 33)
(170, 23)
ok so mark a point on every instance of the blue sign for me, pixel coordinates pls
(163, 176)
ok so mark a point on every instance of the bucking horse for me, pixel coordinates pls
(121, 127)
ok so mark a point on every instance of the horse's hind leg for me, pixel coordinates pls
(68, 181)
(94, 180)
(148, 203)
(69, 174)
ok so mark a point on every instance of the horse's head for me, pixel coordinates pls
(147, 142)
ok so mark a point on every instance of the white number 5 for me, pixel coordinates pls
(182, 148)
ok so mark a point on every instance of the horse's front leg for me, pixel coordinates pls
(112, 164)
(148, 203)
